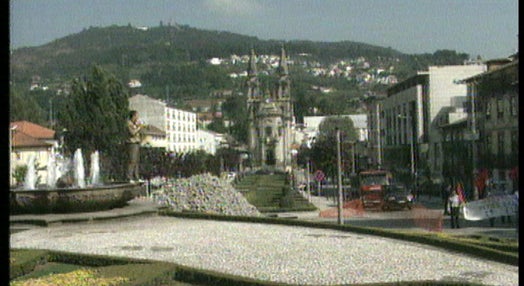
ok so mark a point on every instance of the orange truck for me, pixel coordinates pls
(372, 187)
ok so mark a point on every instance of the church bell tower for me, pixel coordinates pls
(270, 116)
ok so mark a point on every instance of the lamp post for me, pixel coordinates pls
(411, 145)
(339, 172)
(379, 140)
(12, 129)
(243, 157)
(308, 188)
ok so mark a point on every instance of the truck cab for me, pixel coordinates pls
(372, 185)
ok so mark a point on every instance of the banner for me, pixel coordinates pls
(496, 206)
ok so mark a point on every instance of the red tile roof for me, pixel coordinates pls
(28, 134)
(34, 130)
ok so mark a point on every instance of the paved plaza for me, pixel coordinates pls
(282, 254)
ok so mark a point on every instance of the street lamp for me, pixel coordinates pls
(379, 140)
(411, 145)
(12, 129)
(308, 188)
(294, 153)
(339, 172)
(243, 157)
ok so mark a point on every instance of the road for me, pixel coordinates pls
(414, 219)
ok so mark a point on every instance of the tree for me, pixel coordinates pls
(217, 125)
(323, 153)
(235, 109)
(24, 107)
(95, 115)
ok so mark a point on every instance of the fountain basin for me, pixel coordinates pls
(73, 200)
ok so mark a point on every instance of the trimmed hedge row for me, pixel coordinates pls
(25, 261)
(149, 272)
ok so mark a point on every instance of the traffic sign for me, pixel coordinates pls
(319, 175)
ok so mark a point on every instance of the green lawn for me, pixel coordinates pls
(271, 193)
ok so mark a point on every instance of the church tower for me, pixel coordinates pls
(270, 116)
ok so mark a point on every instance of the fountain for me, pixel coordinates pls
(65, 190)
(94, 171)
(79, 174)
(30, 176)
(51, 171)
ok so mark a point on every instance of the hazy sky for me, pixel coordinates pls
(488, 28)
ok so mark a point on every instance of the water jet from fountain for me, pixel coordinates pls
(30, 176)
(95, 169)
(79, 174)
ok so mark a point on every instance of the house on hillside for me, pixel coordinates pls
(27, 139)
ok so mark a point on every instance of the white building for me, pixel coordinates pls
(27, 139)
(153, 137)
(311, 124)
(180, 126)
(209, 141)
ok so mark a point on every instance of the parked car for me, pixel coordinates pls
(397, 196)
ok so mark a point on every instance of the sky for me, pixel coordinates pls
(486, 28)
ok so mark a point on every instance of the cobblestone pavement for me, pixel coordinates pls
(282, 254)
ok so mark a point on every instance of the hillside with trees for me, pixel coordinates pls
(171, 62)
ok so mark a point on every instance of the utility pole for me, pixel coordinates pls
(12, 129)
(51, 111)
(353, 157)
(473, 142)
(411, 145)
(339, 172)
(308, 188)
(379, 140)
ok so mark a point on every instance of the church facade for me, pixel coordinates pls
(271, 117)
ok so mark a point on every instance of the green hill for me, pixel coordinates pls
(130, 52)
(170, 62)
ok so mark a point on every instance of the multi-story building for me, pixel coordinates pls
(374, 147)
(493, 98)
(180, 126)
(412, 111)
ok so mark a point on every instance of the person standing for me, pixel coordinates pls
(445, 192)
(454, 208)
(134, 127)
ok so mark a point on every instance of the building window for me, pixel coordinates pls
(435, 155)
(513, 106)
(488, 144)
(488, 109)
(515, 141)
(500, 108)
(500, 142)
